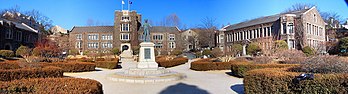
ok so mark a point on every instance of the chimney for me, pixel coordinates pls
(306, 7)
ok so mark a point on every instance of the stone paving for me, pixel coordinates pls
(196, 82)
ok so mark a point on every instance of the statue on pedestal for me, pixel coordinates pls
(146, 33)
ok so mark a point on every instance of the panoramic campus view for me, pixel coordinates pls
(174, 46)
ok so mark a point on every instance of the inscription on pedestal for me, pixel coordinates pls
(147, 54)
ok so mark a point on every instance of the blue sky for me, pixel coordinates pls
(69, 13)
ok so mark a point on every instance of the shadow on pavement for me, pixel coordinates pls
(231, 74)
(239, 88)
(182, 88)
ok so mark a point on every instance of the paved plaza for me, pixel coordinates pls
(197, 82)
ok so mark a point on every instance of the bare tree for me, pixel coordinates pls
(206, 34)
(299, 6)
(13, 9)
(172, 20)
(45, 21)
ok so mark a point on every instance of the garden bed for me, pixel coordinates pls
(239, 69)
(22, 73)
(281, 81)
(208, 64)
(52, 86)
(72, 66)
(107, 64)
(162, 62)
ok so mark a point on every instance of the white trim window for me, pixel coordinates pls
(106, 45)
(157, 37)
(78, 45)
(171, 37)
(291, 28)
(78, 36)
(18, 36)
(124, 36)
(9, 34)
(93, 36)
(292, 44)
(125, 27)
(171, 45)
(124, 18)
(107, 37)
(93, 45)
(158, 45)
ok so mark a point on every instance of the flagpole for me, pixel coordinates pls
(128, 6)
(122, 4)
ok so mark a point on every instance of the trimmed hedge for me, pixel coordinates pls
(239, 69)
(171, 63)
(9, 65)
(280, 81)
(14, 74)
(72, 66)
(107, 64)
(207, 64)
(52, 86)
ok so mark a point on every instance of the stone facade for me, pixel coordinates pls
(125, 35)
(298, 28)
(190, 38)
(13, 35)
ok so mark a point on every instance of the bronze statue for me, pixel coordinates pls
(146, 33)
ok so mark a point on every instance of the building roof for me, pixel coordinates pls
(19, 25)
(161, 29)
(265, 19)
(93, 29)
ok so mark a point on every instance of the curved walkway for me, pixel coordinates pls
(197, 82)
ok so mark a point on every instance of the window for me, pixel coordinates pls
(171, 37)
(9, 34)
(291, 28)
(107, 37)
(284, 28)
(124, 27)
(157, 37)
(222, 38)
(291, 44)
(158, 45)
(18, 36)
(269, 31)
(124, 36)
(93, 36)
(93, 45)
(171, 44)
(315, 18)
(125, 18)
(78, 45)
(106, 45)
(308, 28)
(79, 37)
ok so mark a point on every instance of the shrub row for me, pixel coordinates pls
(171, 63)
(280, 81)
(239, 69)
(52, 86)
(107, 64)
(207, 64)
(14, 74)
(9, 65)
(72, 66)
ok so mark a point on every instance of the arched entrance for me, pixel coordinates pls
(125, 47)
(8, 47)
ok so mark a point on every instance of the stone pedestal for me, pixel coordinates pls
(244, 50)
(147, 56)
